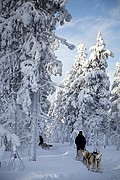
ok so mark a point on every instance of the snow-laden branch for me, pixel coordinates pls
(52, 83)
(62, 40)
(13, 138)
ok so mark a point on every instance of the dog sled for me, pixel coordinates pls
(45, 146)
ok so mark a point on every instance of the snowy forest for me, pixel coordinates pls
(84, 99)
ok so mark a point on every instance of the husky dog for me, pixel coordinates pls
(92, 159)
(46, 146)
(79, 156)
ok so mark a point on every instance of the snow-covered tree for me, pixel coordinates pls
(9, 73)
(56, 117)
(96, 102)
(115, 109)
(27, 59)
(65, 110)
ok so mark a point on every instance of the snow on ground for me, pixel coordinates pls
(59, 163)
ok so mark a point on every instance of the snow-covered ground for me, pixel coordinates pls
(59, 163)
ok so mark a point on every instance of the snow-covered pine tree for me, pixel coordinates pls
(65, 110)
(96, 102)
(115, 108)
(28, 41)
(9, 65)
(56, 117)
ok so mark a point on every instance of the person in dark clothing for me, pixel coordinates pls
(80, 141)
(41, 140)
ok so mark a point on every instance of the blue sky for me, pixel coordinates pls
(88, 17)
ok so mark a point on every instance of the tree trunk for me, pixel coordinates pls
(15, 115)
(104, 140)
(33, 141)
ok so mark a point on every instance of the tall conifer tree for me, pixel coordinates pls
(66, 108)
(96, 102)
(115, 109)
(27, 60)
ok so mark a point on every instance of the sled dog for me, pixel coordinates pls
(92, 159)
(46, 146)
(79, 156)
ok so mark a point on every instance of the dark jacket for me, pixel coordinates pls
(80, 142)
(41, 140)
